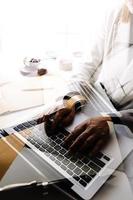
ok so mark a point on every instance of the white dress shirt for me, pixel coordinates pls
(110, 59)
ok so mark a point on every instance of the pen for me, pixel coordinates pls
(37, 89)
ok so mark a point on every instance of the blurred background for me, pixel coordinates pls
(55, 27)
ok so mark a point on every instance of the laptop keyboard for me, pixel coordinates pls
(82, 168)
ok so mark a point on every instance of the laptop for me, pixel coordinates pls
(85, 174)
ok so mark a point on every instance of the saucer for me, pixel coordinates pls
(28, 72)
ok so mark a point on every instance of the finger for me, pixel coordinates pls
(98, 146)
(68, 120)
(80, 140)
(42, 119)
(75, 133)
(48, 124)
(58, 117)
(52, 121)
(89, 142)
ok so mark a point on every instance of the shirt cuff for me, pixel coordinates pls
(116, 117)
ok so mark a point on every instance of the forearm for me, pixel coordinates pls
(124, 117)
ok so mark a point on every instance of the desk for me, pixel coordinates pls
(44, 88)
(112, 192)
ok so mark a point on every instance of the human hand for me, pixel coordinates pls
(63, 114)
(89, 136)
(61, 118)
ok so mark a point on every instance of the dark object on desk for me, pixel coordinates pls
(37, 190)
(32, 189)
(41, 71)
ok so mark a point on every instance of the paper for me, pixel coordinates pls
(29, 92)
(14, 99)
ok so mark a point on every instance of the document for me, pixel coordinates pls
(16, 99)
(29, 92)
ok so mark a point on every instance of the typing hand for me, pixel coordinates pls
(61, 118)
(89, 136)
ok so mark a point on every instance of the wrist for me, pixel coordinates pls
(74, 100)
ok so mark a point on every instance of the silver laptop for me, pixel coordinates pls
(86, 174)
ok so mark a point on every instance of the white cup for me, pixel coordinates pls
(31, 64)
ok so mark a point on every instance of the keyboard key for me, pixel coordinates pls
(52, 144)
(31, 136)
(55, 153)
(32, 142)
(60, 157)
(33, 122)
(27, 125)
(45, 146)
(98, 162)
(69, 172)
(48, 141)
(52, 158)
(76, 177)
(79, 164)
(65, 161)
(68, 155)
(42, 149)
(85, 177)
(63, 144)
(62, 151)
(58, 141)
(71, 166)
(50, 149)
(61, 136)
(85, 160)
(77, 171)
(63, 167)
(17, 129)
(21, 127)
(99, 155)
(83, 183)
(39, 141)
(57, 162)
(106, 158)
(47, 154)
(85, 168)
(94, 166)
(4, 133)
(36, 145)
(53, 137)
(92, 173)
(57, 147)
(73, 159)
